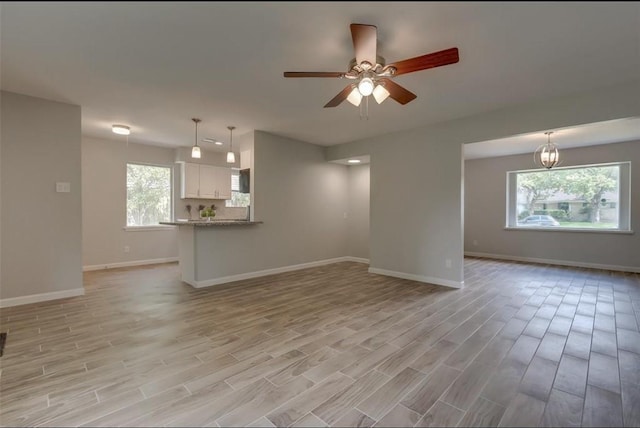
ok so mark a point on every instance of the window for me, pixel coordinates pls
(237, 199)
(592, 197)
(148, 194)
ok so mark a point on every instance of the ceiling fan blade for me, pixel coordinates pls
(313, 74)
(436, 59)
(365, 41)
(340, 97)
(397, 92)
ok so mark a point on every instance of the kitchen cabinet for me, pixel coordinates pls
(200, 181)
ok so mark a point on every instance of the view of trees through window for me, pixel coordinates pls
(237, 199)
(148, 194)
(585, 197)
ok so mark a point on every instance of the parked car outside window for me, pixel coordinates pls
(539, 220)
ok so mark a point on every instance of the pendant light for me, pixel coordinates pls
(195, 150)
(231, 157)
(547, 155)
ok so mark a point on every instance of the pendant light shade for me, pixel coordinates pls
(231, 157)
(547, 155)
(195, 150)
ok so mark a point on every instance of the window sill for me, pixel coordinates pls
(147, 228)
(566, 229)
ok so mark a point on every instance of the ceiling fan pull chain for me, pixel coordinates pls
(367, 107)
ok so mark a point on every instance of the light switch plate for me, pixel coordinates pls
(63, 187)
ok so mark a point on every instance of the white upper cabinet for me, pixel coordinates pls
(223, 178)
(208, 182)
(245, 159)
(190, 179)
(204, 181)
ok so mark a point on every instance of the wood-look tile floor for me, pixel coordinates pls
(520, 345)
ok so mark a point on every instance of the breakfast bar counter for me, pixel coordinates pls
(212, 223)
(212, 252)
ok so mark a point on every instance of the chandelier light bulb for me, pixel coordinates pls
(365, 86)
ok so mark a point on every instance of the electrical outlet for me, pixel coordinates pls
(63, 187)
(126, 249)
(345, 215)
(448, 263)
(475, 243)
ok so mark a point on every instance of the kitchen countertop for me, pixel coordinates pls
(212, 223)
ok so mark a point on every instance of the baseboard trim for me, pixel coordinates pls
(419, 278)
(129, 264)
(554, 262)
(356, 259)
(259, 273)
(43, 297)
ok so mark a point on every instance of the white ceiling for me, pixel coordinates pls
(612, 131)
(154, 66)
(363, 160)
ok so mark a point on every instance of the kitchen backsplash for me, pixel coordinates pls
(222, 212)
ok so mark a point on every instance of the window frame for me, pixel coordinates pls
(624, 201)
(236, 172)
(153, 227)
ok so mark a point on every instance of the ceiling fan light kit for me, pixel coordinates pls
(372, 74)
(380, 94)
(366, 86)
(355, 97)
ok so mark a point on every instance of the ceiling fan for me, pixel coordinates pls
(371, 75)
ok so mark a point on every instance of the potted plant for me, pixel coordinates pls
(208, 212)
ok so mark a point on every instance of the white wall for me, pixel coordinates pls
(41, 229)
(419, 176)
(301, 199)
(358, 212)
(104, 196)
(485, 202)
(416, 226)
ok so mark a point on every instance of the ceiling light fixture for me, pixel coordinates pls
(231, 157)
(380, 93)
(195, 150)
(121, 129)
(365, 87)
(547, 154)
(354, 161)
(355, 97)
